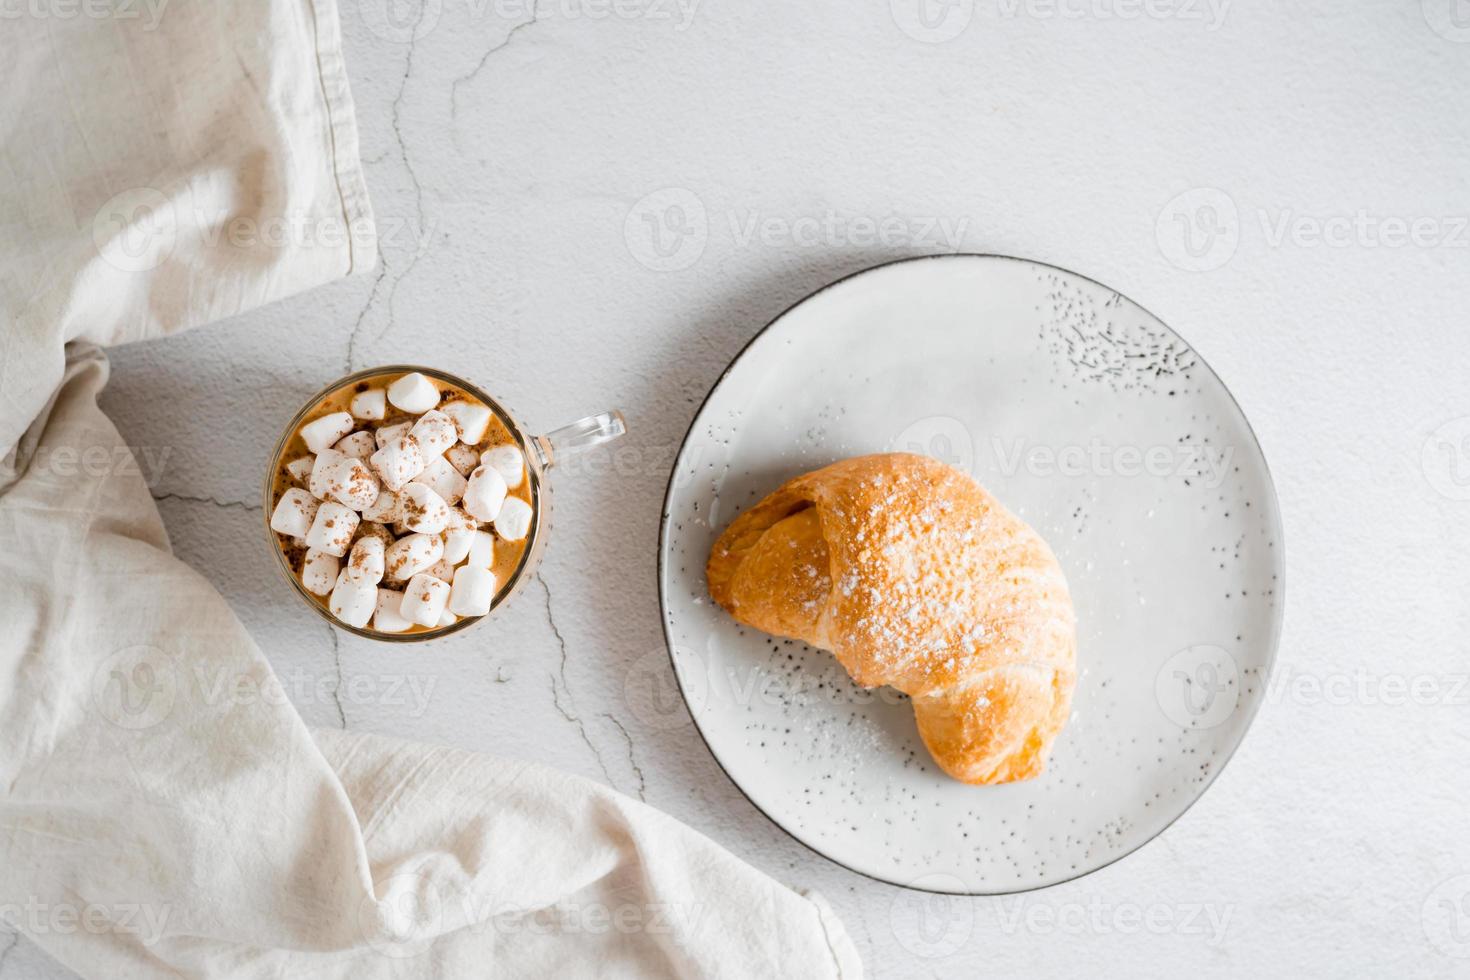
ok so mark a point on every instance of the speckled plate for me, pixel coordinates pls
(1089, 418)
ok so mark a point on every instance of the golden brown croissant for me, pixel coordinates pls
(915, 577)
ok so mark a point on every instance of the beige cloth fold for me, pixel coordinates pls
(148, 828)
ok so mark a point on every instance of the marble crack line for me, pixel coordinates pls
(397, 120)
(418, 207)
(337, 662)
(215, 501)
(559, 685)
(632, 759)
(9, 947)
(469, 78)
(393, 295)
(366, 307)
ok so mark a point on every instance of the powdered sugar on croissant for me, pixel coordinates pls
(915, 577)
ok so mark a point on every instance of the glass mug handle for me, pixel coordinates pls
(578, 436)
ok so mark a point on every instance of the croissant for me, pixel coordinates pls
(913, 576)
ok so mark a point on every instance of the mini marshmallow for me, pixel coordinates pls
(389, 615)
(320, 433)
(353, 602)
(444, 480)
(398, 462)
(324, 472)
(358, 444)
(383, 510)
(424, 599)
(482, 550)
(447, 619)
(370, 405)
(389, 433)
(485, 493)
(367, 561)
(473, 591)
(329, 477)
(508, 461)
(294, 513)
(411, 554)
(457, 545)
(435, 433)
(413, 393)
(333, 528)
(300, 469)
(353, 483)
(422, 510)
(461, 521)
(470, 420)
(463, 458)
(319, 571)
(514, 520)
(372, 529)
(442, 569)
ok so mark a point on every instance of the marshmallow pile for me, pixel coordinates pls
(408, 506)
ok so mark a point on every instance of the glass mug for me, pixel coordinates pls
(540, 452)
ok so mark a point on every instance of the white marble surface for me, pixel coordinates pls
(507, 162)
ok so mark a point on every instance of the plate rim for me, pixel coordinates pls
(1278, 531)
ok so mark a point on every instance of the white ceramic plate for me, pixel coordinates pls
(1090, 419)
